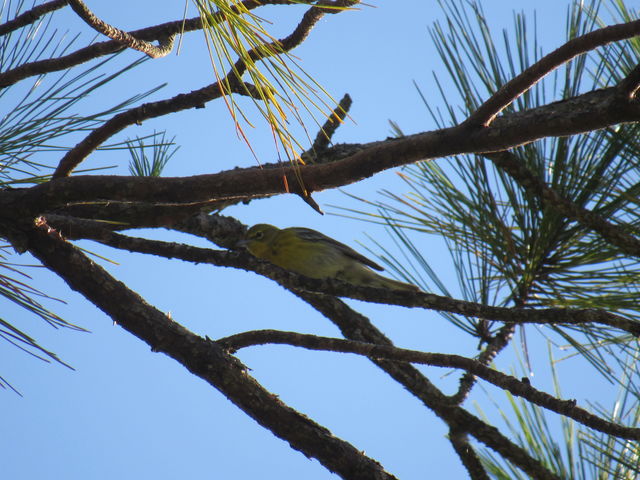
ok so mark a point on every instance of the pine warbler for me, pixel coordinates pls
(314, 255)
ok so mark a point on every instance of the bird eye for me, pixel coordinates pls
(259, 235)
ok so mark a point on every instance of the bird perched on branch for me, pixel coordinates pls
(314, 255)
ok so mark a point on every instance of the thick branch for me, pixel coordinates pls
(468, 456)
(553, 316)
(200, 356)
(587, 112)
(128, 215)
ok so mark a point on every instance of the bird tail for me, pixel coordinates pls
(359, 274)
(396, 285)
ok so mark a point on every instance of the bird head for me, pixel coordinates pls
(259, 239)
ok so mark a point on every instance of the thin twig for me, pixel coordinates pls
(614, 234)
(499, 341)
(31, 16)
(96, 50)
(193, 99)
(120, 36)
(335, 119)
(511, 90)
(511, 384)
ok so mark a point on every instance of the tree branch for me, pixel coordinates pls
(165, 335)
(430, 301)
(323, 138)
(590, 111)
(116, 215)
(511, 384)
(511, 90)
(31, 16)
(631, 83)
(614, 234)
(97, 50)
(200, 356)
(357, 327)
(499, 341)
(120, 36)
(222, 371)
(469, 458)
(232, 82)
(412, 379)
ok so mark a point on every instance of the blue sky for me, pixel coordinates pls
(126, 412)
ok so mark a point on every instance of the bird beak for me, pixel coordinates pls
(241, 243)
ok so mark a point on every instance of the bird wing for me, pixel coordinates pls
(314, 236)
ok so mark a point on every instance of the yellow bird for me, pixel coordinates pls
(314, 255)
